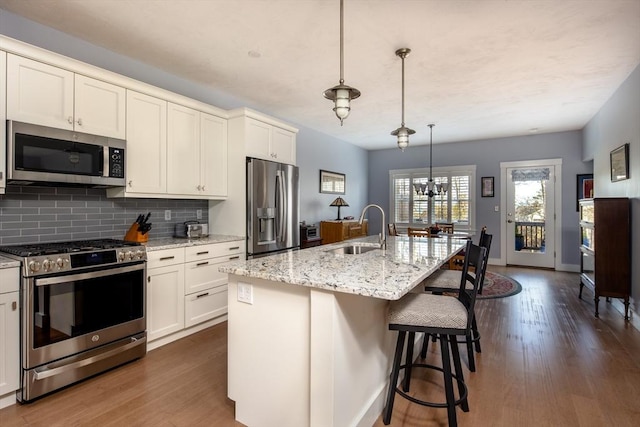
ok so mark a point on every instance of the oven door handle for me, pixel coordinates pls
(89, 275)
(51, 370)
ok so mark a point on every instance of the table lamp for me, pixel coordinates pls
(339, 202)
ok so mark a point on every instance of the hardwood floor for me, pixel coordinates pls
(545, 361)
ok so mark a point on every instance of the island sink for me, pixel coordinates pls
(353, 250)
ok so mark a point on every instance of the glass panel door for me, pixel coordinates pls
(531, 216)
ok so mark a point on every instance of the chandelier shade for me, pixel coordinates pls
(341, 94)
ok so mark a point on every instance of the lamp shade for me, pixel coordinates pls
(339, 202)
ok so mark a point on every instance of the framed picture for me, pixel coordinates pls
(584, 188)
(487, 186)
(620, 163)
(332, 182)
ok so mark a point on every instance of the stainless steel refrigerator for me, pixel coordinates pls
(272, 207)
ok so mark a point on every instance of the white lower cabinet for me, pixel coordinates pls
(165, 292)
(9, 332)
(204, 288)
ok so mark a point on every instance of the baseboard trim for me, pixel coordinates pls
(185, 333)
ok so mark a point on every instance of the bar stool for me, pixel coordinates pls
(445, 317)
(449, 281)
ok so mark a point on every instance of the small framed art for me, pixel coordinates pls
(487, 186)
(620, 163)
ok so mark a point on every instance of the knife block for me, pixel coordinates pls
(134, 234)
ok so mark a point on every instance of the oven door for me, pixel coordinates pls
(67, 314)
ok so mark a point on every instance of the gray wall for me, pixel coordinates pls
(617, 123)
(487, 155)
(315, 150)
(318, 151)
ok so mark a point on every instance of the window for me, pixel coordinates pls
(457, 205)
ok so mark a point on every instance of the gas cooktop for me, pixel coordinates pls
(59, 257)
(54, 248)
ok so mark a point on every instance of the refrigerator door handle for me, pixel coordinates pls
(280, 206)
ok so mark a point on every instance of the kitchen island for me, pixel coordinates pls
(308, 341)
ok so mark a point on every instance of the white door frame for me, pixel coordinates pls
(557, 201)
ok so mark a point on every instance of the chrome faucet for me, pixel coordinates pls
(383, 235)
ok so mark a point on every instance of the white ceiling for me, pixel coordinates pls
(478, 69)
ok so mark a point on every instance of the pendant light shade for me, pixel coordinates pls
(403, 132)
(342, 94)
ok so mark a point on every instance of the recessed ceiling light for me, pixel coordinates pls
(254, 54)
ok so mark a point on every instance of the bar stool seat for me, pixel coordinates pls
(427, 309)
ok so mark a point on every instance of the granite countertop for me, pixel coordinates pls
(177, 242)
(8, 262)
(386, 275)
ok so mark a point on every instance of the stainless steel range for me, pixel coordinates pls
(82, 307)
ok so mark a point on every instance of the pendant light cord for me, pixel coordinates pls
(431, 153)
(341, 42)
(402, 124)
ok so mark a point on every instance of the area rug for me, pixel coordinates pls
(498, 286)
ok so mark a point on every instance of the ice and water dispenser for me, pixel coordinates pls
(266, 225)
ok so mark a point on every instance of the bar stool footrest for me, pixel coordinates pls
(462, 397)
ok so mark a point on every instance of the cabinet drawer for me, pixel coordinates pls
(9, 279)
(165, 257)
(205, 305)
(194, 253)
(201, 275)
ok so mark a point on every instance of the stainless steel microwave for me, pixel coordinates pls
(42, 155)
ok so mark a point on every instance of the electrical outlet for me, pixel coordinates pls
(167, 215)
(245, 293)
(496, 208)
(199, 214)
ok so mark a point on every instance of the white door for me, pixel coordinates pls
(531, 214)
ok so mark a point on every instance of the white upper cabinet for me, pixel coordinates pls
(213, 148)
(269, 142)
(183, 165)
(99, 107)
(3, 121)
(50, 96)
(146, 162)
(197, 153)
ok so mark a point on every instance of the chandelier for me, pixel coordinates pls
(403, 132)
(430, 188)
(341, 94)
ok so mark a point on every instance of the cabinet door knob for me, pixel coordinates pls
(199, 187)
(130, 183)
(79, 121)
(203, 188)
(70, 120)
(14, 306)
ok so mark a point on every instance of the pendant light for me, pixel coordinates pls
(430, 186)
(341, 94)
(403, 132)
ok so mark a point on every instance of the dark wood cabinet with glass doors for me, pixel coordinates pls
(605, 249)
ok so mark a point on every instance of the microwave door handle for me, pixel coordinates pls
(105, 161)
